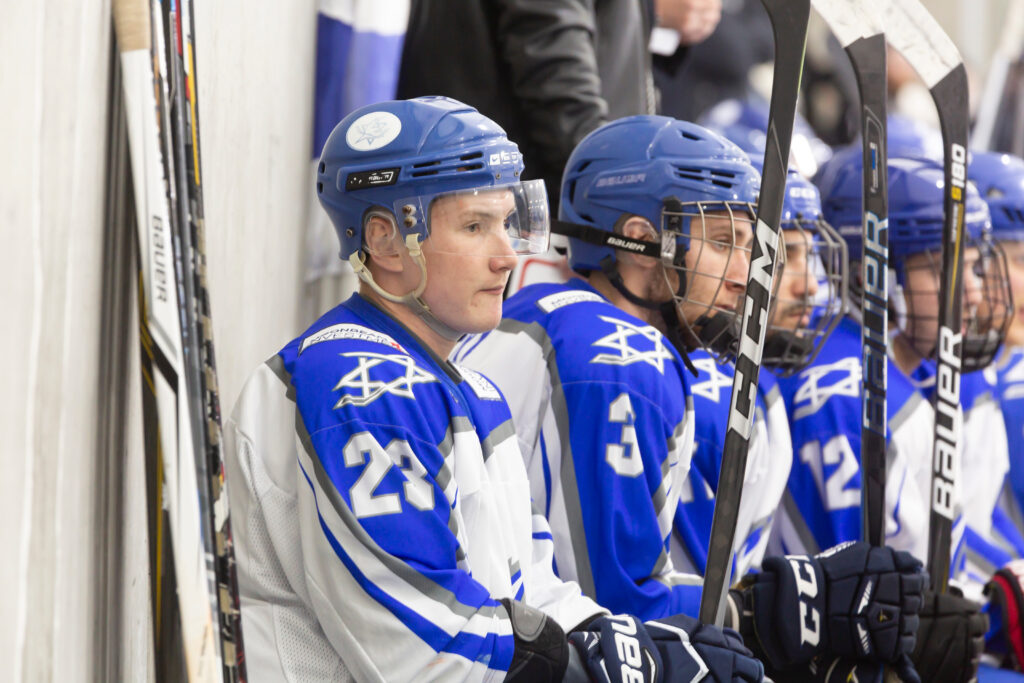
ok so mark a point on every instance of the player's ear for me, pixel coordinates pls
(382, 241)
(638, 228)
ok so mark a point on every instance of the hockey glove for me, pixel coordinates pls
(950, 639)
(541, 649)
(1006, 607)
(853, 601)
(669, 650)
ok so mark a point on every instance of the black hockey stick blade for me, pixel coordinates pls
(789, 25)
(859, 29)
(916, 34)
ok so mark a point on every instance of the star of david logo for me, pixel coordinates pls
(625, 354)
(817, 395)
(371, 389)
(369, 131)
(710, 388)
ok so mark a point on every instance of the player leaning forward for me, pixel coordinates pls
(661, 218)
(385, 527)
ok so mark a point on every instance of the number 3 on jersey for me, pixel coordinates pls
(624, 457)
(362, 447)
(836, 486)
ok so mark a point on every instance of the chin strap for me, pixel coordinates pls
(719, 333)
(412, 299)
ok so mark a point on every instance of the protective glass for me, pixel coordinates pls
(810, 297)
(985, 297)
(490, 220)
(706, 250)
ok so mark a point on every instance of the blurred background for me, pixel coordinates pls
(273, 79)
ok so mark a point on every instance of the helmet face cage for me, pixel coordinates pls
(811, 294)
(708, 277)
(985, 298)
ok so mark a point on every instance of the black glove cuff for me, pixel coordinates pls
(542, 651)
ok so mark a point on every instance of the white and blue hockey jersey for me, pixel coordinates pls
(381, 510)
(984, 466)
(769, 458)
(602, 411)
(822, 503)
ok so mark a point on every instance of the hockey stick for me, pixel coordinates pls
(789, 25)
(861, 34)
(916, 34)
(203, 376)
(170, 436)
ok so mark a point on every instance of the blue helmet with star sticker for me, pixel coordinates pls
(400, 155)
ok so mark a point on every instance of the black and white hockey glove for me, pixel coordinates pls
(852, 601)
(950, 639)
(1006, 610)
(670, 650)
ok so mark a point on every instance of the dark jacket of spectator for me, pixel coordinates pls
(548, 71)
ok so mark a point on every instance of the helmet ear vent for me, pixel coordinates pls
(323, 167)
(319, 188)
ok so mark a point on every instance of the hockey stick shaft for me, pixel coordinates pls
(868, 58)
(212, 483)
(170, 435)
(789, 25)
(860, 30)
(929, 50)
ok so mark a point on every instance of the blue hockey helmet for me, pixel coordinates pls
(676, 175)
(915, 205)
(393, 159)
(812, 280)
(632, 165)
(400, 155)
(915, 227)
(999, 178)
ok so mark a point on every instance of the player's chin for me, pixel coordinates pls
(483, 317)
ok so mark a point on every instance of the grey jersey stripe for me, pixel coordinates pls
(570, 490)
(799, 525)
(497, 436)
(412, 577)
(678, 579)
(905, 411)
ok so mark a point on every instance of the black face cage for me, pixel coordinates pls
(811, 294)
(987, 311)
(706, 259)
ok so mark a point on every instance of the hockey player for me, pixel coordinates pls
(1000, 180)
(806, 307)
(822, 504)
(659, 216)
(384, 527)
